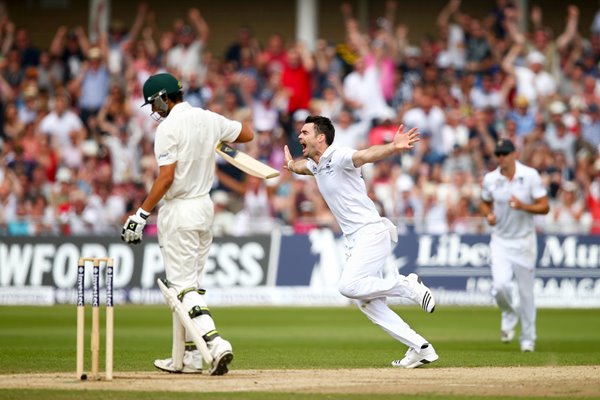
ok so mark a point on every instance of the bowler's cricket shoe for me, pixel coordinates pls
(222, 356)
(421, 294)
(414, 359)
(192, 363)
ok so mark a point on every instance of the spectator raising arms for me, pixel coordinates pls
(476, 78)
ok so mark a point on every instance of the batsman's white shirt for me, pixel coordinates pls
(343, 188)
(189, 136)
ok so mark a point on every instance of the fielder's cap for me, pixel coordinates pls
(159, 83)
(504, 146)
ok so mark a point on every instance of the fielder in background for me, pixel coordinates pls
(368, 237)
(184, 147)
(511, 195)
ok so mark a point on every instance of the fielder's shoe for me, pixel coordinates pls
(222, 356)
(192, 363)
(507, 336)
(414, 359)
(421, 294)
(527, 347)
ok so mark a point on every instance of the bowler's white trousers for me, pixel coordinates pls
(515, 257)
(362, 279)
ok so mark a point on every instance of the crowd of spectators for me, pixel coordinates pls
(76, 149)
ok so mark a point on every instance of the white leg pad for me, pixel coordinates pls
(191, 328)
(204, 322)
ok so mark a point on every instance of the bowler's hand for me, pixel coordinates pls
(491, 219)
(406, 140)
(134, 226)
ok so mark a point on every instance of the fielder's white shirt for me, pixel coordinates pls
(343, 188)
(189, 136)
(526, 185)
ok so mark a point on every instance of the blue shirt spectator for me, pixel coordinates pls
(523, 116)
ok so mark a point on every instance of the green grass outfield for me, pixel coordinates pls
(42, 340)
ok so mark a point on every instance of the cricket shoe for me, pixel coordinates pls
(507, 336)
(192, 363)
(222, 356)
(421, 294)
(414, 359)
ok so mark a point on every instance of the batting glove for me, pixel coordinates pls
(132, 230)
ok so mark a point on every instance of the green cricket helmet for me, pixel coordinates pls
(158, 85)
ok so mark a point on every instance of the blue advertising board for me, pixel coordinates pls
(295, 269)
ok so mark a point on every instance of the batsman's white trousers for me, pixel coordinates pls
(184, 236)
(362, 280)
(515, 258)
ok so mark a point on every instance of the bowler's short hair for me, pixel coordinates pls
(322, 125)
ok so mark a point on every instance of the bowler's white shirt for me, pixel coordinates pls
(526, 185)
(343, 188)
(189, 136)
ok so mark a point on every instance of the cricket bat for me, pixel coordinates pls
(245, 163)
